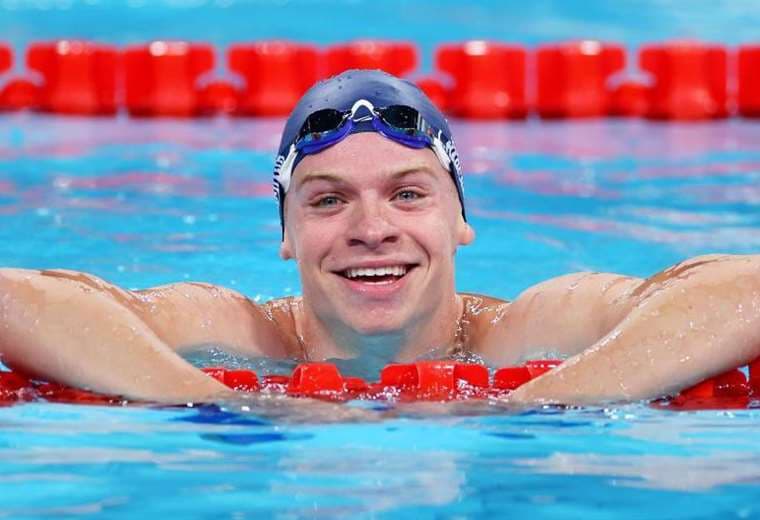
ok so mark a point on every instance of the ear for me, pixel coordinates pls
(286, 250)
(465, 232)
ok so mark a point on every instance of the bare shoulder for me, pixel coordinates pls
(481, 315)
(182, 315)
(192, 313)
(562, 316)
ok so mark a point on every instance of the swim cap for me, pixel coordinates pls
(373, 90)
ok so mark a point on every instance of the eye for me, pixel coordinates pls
(329, 201)
(408, 195)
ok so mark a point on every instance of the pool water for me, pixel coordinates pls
(143, 203)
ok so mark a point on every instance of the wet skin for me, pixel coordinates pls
(366, 204)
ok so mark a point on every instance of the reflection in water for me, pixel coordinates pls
(685, 473)
(380, 480)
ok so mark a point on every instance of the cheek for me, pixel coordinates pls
(313, 241)
(437, 234)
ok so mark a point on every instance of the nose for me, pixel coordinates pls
(371, 225)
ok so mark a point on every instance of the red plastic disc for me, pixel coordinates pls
(573, 78)
(276, 74)
(489, 79)
(690, 80)
(161, 77)
(78, 77)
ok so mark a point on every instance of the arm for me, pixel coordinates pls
(563, 315)
(76, 329)
(688, 323)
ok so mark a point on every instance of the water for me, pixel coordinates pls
(143, 203)
(632, 462)
(149, 202)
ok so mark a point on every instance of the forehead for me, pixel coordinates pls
(368, 153)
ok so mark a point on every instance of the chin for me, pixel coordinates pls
(376, 324)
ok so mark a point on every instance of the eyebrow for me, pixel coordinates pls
(331, 177)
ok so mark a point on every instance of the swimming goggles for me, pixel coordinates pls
(400, 123)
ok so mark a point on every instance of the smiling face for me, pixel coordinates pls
(374, 226)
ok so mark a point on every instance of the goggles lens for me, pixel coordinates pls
(320, 122)
(401, 117)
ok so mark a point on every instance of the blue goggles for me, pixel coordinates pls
(400, 123)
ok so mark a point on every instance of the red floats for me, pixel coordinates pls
(14, 387)
(489, 79)
(748, 96)
(727, 390)
(572, 78)
(729, 384)
(629, 99)
(397, 58)
(78, 77)
(436, 380)
(218, 97)
(6, 58)
(510, 378)
(161, 77)
(690, 80)
(243, 380)
(315, 379)
(19, 94)
(276, 75)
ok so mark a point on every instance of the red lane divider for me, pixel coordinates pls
(748, 95)
(690, 80)
(78, 77)
(16, 93)
(19, 94)
(243, 380)
(489, 79)
(161, 78)
(629, 99)
(276, 75)
(435, 380)
(728, 390)
(218, 97)
(421, 381)
(6, 58)
(397, 58)
(572, 78)
(315, 379)
(16, 387)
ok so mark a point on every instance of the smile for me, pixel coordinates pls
(376, 275)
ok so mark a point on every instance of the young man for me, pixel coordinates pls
(370, 193)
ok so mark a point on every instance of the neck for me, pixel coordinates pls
(433, 334)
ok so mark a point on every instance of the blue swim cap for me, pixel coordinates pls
(364, 88)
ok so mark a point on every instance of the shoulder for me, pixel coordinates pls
(561, 315)
(199, 313)
(481, 318)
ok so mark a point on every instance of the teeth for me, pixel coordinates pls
(395, 270)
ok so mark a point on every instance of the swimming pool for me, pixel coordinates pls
(149, 202)
(144, 202)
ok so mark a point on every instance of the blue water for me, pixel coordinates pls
(149, 202)
(143, 203)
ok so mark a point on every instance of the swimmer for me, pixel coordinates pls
(373, 211)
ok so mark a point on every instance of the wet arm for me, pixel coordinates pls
(76, 329)
(561, 316)
(686, 324)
